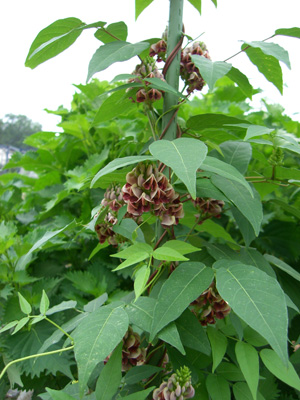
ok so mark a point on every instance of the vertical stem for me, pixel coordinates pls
(172, 75)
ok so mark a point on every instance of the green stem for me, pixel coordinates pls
(172, 75)
(193, 227)
(33, 356)
(60, 328)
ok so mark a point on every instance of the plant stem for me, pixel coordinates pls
(33, 356)
(172, 74)
(60, 328)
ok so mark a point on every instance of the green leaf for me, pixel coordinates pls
(116, 104)
(286, 374)
(37, 319)
(242, 392)
(133, 254)
(230, 371)
(255, 258)
(256, 130)
(242, 81)
(170, 335)
(157, 83)
(201, 122)
(137, 374)
(184, 156)
(205, 188)
(99, 247)
(221, 168)
(20, 324)
(142, 395)
(183, 286)
(64, 305)
(95, 303)
(110, 377)
(166, 253)
(268, 65)
(113, 52)
(215, 230)
(119, 163)
(196, 4)
(218, 345)
(272, 49)
(286, 207)
(117, 29)
(248, 360)
(192, 334)
(180, 246)
(249, 206)
(283, 266)
(140, 312)
(293, 32)
(25, 259)
(140, 6)
(59, 395)
(52, 40)
(129, 228)
(24, 305)
(237, 154)
(44, 304)
(218, 388)
(9, 326)
(96, 337)
(211, 71)
(253, 295)
(141, 279)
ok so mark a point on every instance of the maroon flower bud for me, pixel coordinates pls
(154, 94)
(209, 306)
(141, 96)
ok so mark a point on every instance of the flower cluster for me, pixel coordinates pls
(188, 71)
(177, 387)
(147, 189)
(147, 69)
(113, 199)
(210, 305)
(132, 352)
(208, 207)
(159, 49)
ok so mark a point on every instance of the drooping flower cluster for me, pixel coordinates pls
(147, 69)
(132, 352)
(113, 199)
(188, 71)
(208, 207)
(147, 189)
(209, 306)
(177, 387)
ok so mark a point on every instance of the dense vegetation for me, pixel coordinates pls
(155, 251)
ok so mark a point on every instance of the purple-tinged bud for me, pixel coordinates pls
(178, 391)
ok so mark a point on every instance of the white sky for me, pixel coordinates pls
(26, 91)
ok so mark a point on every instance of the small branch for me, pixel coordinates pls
(160, 239)
(193, 227)
(34, 356)
(60, 328)
(247, 47)
(168, 124)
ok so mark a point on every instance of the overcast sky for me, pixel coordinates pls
(26, 91)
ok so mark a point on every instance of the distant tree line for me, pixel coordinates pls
(15, 128)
